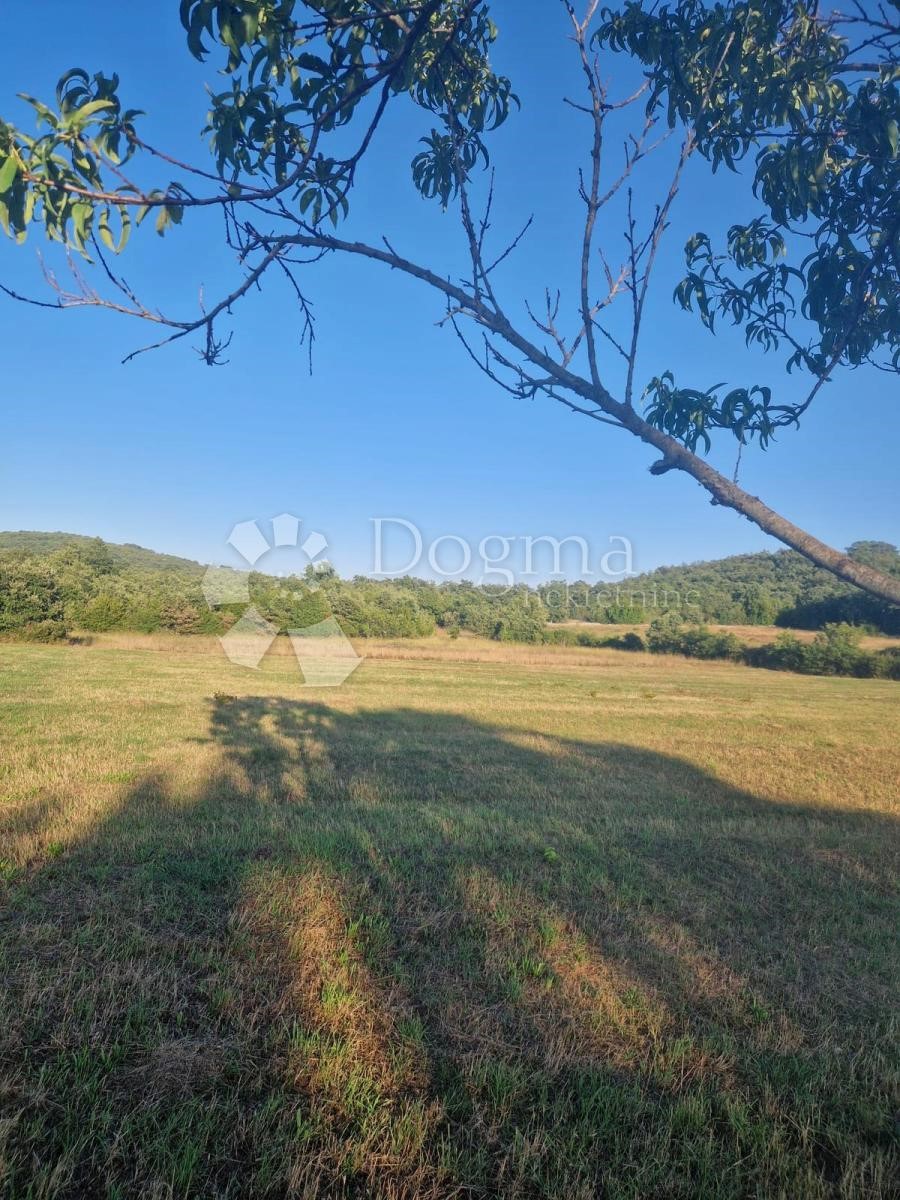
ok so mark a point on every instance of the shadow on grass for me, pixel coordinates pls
(400, 953)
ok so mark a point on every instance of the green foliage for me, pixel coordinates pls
(747, 589)
(759, 606)
(833, 651)
(40, 631)
(689, 414)
(625, 613)
(524, 621)
(31, 605)
(287, 603)
(585, 637)
(297, 72)
(664, 634)
(103, 612)
(782, 81)
(53, 582)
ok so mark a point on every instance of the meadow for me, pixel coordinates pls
(488, 920)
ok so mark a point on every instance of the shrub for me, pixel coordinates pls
(561, 637)
(668, 635)
(29, 595)
(664, 635)
(41, 631)
(700, 642)
(181, 617)
(834, 651)
(786, 653)
(594, 640)
(888, 662)
(630, 641)
(102, 613)
(520, 625)
(624, 613)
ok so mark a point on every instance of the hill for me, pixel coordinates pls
(55, 581)
(757, 589)
(124, 556)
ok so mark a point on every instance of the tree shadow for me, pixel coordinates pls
(414, 955)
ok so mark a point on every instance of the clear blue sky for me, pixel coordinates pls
(394, 421)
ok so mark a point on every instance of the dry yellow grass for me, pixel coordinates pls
(486, 920)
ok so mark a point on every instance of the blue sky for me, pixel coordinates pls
(394, 421)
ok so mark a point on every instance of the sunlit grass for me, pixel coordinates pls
(485, 920)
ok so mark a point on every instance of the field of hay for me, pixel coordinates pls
(485, 921)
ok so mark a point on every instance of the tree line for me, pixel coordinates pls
(51, 584)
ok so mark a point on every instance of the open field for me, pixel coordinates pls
(486, 920)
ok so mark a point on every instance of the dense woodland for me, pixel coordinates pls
(62, 582)
(746, 589)
(52, 584)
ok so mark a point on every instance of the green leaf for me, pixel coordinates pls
(87, 110)
(8, 173)
(105, 232)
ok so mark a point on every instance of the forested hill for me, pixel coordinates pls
(765, 588)
(51, 582)
(126, 556)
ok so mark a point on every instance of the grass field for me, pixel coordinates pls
(484, 921)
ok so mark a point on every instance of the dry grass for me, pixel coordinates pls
(486, 920)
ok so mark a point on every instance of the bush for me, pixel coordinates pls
(624, 613)
(181, 617)
(561, 637)
(888, 662)
(664, 635)
(29, 595)
(520, 625)
(786, 653)
(668, 635)
(834, 651)
(595, 640)
(700, 642)
(629, 641)
(102, 613)
(41, 631)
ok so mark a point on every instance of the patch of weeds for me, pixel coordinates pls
(8, 870)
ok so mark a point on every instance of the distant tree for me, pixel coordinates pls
(881, 555)
(31, 604)
(759, 607)
(810, 97)
(522, 621)
(625, 613)
(98, 556)
(103, 612)
(182, 617)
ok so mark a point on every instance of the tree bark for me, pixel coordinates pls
(675, 455)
